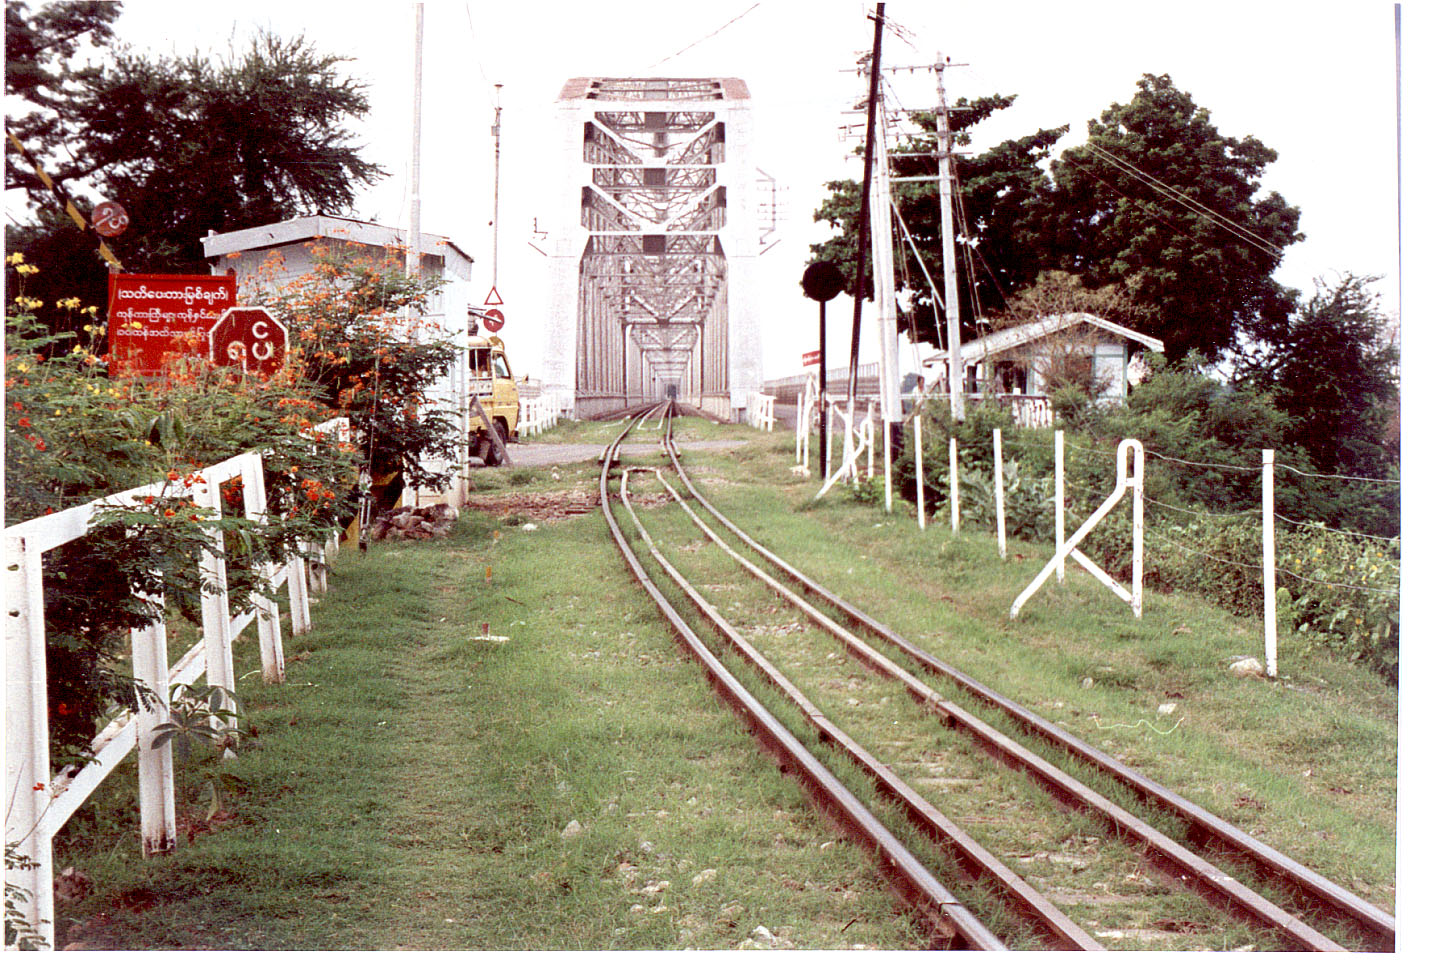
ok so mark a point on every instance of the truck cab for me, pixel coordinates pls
(490, 387)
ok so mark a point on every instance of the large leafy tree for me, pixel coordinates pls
(996, 189)
(187, 144)
(1159, 201)
(1333, 368)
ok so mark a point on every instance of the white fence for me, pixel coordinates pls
(538, 414)
(760, 411)
(42, 803)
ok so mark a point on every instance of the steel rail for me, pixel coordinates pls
(953, 926)
(1064, 933)
(1175, 859)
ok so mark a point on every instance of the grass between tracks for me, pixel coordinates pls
(411, 787)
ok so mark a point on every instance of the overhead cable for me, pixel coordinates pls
(722, 27)
(1195, 206)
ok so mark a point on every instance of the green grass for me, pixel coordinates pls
(410, 787)
(1307, 763)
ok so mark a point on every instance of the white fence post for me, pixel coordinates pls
(954, 488)
(1133, 481)
(1267, 497)
(157, 766)
(870, 441)
(919, 474)
(267, 614)
(889, 500)
(215, 607)
(41, 802)
(999, 494)
(1059, 503)
(27, 734)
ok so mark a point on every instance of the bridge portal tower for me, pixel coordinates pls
(654, 261)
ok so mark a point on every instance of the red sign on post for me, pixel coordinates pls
(493, 320)
(251, 339)
(156, 316)
(810, 358)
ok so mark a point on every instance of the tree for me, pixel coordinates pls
(38, 50)
(186, 144)
(1333, 367)
(996, 189)
(1158, 200)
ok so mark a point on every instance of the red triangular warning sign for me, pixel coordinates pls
(493, 299)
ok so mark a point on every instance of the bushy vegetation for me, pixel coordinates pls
(1202, 439)
(74, 435)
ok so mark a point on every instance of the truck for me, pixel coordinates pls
(492, 396)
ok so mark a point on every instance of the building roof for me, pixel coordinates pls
(1001, 340)
(317, 227)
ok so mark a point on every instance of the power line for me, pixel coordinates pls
(707, 36)
(1195, 206)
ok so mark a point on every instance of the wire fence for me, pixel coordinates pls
(1090, 495)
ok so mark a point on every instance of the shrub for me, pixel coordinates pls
(73, 436)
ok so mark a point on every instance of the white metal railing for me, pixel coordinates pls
(760, 411)
(43, 804)
(1026, 409)
(538, 414)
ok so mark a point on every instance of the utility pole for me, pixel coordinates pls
(947, 248)
(882, 244)
(863, 226)
(412, 253)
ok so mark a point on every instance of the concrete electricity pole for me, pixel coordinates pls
(947, 248)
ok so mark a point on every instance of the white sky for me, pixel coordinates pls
(1314, 82)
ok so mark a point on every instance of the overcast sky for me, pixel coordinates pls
(1315, 82)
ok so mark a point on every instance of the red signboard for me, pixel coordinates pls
(155, 316)
(249, 338)
(493, 320)
(109, 219)
(810, 358)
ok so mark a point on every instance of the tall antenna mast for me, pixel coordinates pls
(412, 254)
(495, 220)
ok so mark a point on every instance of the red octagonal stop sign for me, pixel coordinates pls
(249, 338)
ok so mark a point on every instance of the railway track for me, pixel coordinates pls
(1156, 885)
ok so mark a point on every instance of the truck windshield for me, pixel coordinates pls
(502, 370)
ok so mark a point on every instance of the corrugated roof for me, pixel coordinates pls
(315, 227)
(1012, 337)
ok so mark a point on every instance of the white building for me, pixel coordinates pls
(276, 253)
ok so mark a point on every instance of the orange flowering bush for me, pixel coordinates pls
(360, 333)
(74, 436)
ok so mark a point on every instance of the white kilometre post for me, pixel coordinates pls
(1267, 496)
(1059, 503)
(999, 494)
(919, 474)
(954, 488)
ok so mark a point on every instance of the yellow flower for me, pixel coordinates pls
(135, 324)
(14, 258)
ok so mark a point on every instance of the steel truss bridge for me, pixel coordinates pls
(653, 259)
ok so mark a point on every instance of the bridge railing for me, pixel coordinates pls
(760, 411)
